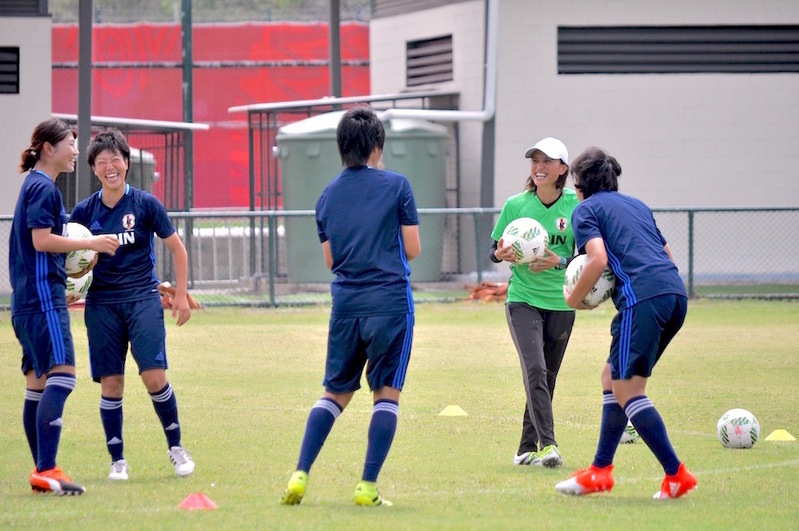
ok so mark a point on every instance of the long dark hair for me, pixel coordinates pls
(51, 132)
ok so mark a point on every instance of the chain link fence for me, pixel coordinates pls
(203, 11)
(273, 258)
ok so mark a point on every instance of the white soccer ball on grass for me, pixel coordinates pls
(738, 428)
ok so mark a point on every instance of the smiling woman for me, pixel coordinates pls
(540, 323)
(123, 306)
(38, 305)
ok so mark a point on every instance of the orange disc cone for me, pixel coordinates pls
(197, 501)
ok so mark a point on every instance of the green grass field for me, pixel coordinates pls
(245, 380)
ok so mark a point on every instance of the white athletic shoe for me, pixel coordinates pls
(182, 461)
(119, 470)
(527, 458)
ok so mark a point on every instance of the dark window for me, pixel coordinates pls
(9, 70)
(677, 49)
(23, 8)
(429, 61)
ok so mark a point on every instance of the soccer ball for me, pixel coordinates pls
(80, 286)
(77, 261)
(527, 237)
(738, 428)
(603, 288)
(629, 435)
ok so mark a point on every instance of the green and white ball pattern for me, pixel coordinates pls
(80, 286)
(738, 428)
(602, 290)
(527, 237)
(77, 261)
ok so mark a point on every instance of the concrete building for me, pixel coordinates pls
(704, 119)
(25, 87)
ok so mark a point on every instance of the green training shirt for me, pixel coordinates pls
(544, 289)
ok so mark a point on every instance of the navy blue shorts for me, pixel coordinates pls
(382, 343)
(46, 340)
(112, 326)
(641, 334)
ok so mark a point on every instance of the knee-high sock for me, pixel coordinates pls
(320, 421)
(111, 416)
(612, 426)
(32, 399)
(166, 407)
(381, 435)
(651, 428)
(48, 418)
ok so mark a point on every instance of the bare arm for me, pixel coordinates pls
(45, 241)
(180, 304)
(594, 266)
(411, 241)
(668, 252)
(328, 254)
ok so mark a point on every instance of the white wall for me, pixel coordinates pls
(465, 21)
(19, 113)
(682, 139)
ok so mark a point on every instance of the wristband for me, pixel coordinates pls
(562, 264)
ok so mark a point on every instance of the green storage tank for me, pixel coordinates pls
(308, 155)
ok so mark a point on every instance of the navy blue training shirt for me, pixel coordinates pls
(634, 245)
(361, 213)
(130, 274)
(38, 280)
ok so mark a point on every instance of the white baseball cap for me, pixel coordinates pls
(551, 147)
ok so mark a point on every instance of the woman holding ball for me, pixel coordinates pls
(38, 304)
(539, 320)
(619, 231)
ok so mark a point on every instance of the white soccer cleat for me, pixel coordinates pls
(119, 470)
(527, 459)
(184, 465)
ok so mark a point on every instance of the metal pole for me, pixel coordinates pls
(690, 254)
(83, 186)
(188, 117)
(188, 106)
(335, 49)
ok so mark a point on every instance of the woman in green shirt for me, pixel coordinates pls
(539, 320)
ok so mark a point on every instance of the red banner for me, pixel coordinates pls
(138, 74)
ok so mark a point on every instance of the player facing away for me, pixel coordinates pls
(123, 305)
(39, 312)
(619, 231)
(539, 320)
(368, 225)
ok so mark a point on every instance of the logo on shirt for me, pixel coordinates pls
(96, 227)
(561, 224)
(128, 221)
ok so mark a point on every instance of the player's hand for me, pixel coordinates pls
(104, 243)
(86, 269)
(505, 253)
(181, 311)
(72, 299)
(577, 305)
(548, 261)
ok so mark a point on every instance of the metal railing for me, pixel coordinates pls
(273, 258)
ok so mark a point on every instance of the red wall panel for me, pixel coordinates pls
(152, 89)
